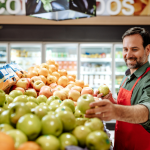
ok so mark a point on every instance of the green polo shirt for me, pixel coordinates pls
(141, 92)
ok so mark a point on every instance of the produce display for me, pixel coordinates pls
(44, 110)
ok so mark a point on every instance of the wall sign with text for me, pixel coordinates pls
(123, 7)
(103, 7)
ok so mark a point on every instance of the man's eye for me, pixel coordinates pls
(124, 50)
(134, 49)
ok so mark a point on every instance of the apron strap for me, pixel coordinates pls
(124, 81)
(148, 69)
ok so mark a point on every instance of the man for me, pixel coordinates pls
(132, 107)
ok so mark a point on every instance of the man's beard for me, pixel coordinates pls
(138, 63)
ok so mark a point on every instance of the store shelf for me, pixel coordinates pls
(3, 53)
(64, 59)
(96, 59)
(119, 73)
(2, 59)
(98, 20)
(31, 59)
(119, 60)
(96, 73)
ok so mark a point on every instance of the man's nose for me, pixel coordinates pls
(129, 54)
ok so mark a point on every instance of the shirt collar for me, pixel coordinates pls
(139, 71)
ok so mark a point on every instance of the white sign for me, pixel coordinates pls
(106, 9)
(19, 7)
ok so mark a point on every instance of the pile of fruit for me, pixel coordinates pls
(45, 111)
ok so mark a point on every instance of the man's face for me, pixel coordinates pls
(133, 51)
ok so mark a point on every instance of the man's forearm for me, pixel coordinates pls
(132, 114)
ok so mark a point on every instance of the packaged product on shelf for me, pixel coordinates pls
(18, 70)
(6, 79)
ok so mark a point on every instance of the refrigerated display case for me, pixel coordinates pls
(96, 64)
(64, 54)
(26, 55)
(120, 67)
(3, 54)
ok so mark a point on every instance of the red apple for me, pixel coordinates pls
(35, 78)
(87, 90)
(23, 82)
(59, 87)
(37, 85)
(53, 85)
(29, 80)
(74, 95)
(21, 89)
(46, 90)
(60, 94)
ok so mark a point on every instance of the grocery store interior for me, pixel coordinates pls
(91, 48)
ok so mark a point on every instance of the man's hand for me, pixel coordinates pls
(105, 110)
(108, 96)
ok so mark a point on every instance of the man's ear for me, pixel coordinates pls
(148, 49)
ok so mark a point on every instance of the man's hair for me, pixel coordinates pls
(141, 31)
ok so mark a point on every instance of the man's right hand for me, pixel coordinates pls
(108, 96)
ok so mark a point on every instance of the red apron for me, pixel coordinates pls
(130, 136)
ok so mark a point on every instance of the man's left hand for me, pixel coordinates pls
(104, 110)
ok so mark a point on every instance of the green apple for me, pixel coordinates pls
(103, 89)
(8, 100)
(63, 108)
(80, 121)
(48, 142)
(2, 97)
(6, 106)
(52, 98)
(84, 101)
(51, 125)
(31, 104)
(51, 113)
(68, 120)
(18, 136)
(32, 99)
(5, 127)
(98, 140)
(15, 93)
(4, 117)
(41, 98)
(54, 105)
(81, 132)
(78, 114)
(30, 125)
(21, 98)
(43, 104)
(31, 92)
(40, 111)
(1, 110)
(17, 110)
(69, 103)
(94, 124)
(67, 139)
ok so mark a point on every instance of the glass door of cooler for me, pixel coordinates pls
(64, 54)
(96, 64)
(26, 55)
(3, 54)
(120, 66)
